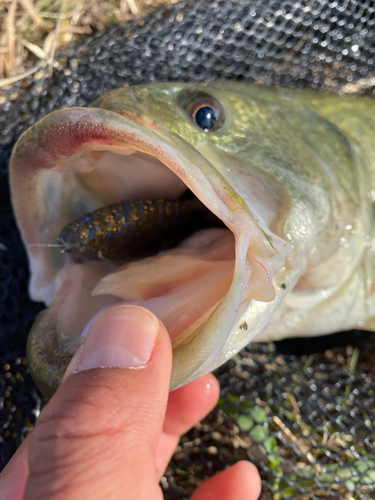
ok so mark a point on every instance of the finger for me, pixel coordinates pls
(186, 406)
(99, 433)
(239, 482)
(166, 447)
(191, 403)
(14, 476)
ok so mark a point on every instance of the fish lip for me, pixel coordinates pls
(65, 132)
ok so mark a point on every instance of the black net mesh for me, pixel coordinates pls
(306, 421)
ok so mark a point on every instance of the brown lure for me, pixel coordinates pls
(133, 230)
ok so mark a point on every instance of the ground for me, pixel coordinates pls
(33, 31)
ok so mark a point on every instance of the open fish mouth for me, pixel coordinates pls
(199, 281)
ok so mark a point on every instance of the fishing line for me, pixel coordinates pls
(63, 245)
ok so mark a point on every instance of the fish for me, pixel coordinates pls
(289, 175)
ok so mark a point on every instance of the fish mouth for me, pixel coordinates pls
(79, 160)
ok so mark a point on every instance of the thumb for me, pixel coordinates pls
(98, 435)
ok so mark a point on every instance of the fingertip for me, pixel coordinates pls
(247, 472)
(241, 481)
(207, 388)
(211, 386)
(190, 403)
(122, 336)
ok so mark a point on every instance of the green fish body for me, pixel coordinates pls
(289, 174)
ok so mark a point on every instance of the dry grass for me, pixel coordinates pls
(31, 31)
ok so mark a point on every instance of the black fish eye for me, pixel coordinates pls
(205, 118)
(207, 114)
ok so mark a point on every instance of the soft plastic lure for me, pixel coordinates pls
(132, 230)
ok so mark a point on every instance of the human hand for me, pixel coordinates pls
(110, 432)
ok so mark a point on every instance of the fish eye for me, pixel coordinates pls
(207, 114)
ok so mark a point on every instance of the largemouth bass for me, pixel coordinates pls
(285, 181)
